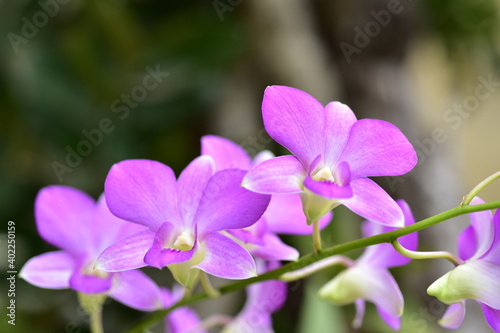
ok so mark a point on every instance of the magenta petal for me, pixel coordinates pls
(493, 253)
(328, 189)
(190, 186)
(160, 257)
(136, 290)
(482, 223)
(62, 217)
(127, 253)
(296, 120)
(492, 317)
(467, 243)
(142, 191)
(226, 205)
(226, 154)
(279, 175)
(453, 316)
(373, 203)
(285, 215)
(50, 270)
(378, 148)
(182, 320)
(226, 259)
(274, 249)
(89, 283)
(339, 120)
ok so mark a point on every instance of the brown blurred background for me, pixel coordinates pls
(73, 67)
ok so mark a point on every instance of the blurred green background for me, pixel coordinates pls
(70, 67)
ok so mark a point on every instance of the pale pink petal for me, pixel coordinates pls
(373, 203)
(453, 316)
(127, 253)
(62, 217)
(360, 306)
(50, 270)
(190, 186)
(226, 154)
(89, 283)
(392, 321)
(339, 120)
(142, 191)
(274, 249)
(492, 317)
(285, 215)
(226, 205)
(262, 156)
(296, 120)
(111, 228)
(136, 290)
(226, 259)
(378, 148)
(279, 175)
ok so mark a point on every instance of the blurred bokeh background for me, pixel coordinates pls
(430, 67)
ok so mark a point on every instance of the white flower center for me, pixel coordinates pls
(185, 241)
(324, 174)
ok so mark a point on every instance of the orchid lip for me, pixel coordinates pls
(185, 241)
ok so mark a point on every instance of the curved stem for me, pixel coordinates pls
(209, 289)
(316, 267)
(427, 254)
(317, 246)
(314, 257)
(478, 188)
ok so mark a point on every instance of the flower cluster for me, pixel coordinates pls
(222, 215)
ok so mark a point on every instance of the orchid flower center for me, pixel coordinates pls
(323, 175)
(185, 241)
(89, 270)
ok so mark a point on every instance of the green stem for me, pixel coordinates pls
(317, 246)
(427, 254)
(209, 289)
(316, 267)
(96, 322)
(309, 259)
(92, 305)
(478, 188)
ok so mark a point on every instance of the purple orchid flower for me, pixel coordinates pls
(478, 278)
(284, 215)
(368, 278)
(183, 319)
(183, 217)
(333, 154)
(72, 221)
(263, 299)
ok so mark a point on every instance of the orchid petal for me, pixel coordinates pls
(493, 253)
(476, 279)
(136, 290)
(339, 120)
(279, 175)
(226, 259)
(268, 296)
(191, 184)
(360, 306)
(393, 322)
(50, 270)
(328, 189)
(159, 257)
(482, 223)
(62, 216)
(384, 254)
(378, 148)
(372, 284)
(296, 120)
(274, 249)
(226, 205)
(142, 191)
(127, 253)
(111, 228)
(89, 283)
(182, 320)
(492, 317)
(285, 215)
(373, 203)
(453, 316)
(467, 243)
(226, 154)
